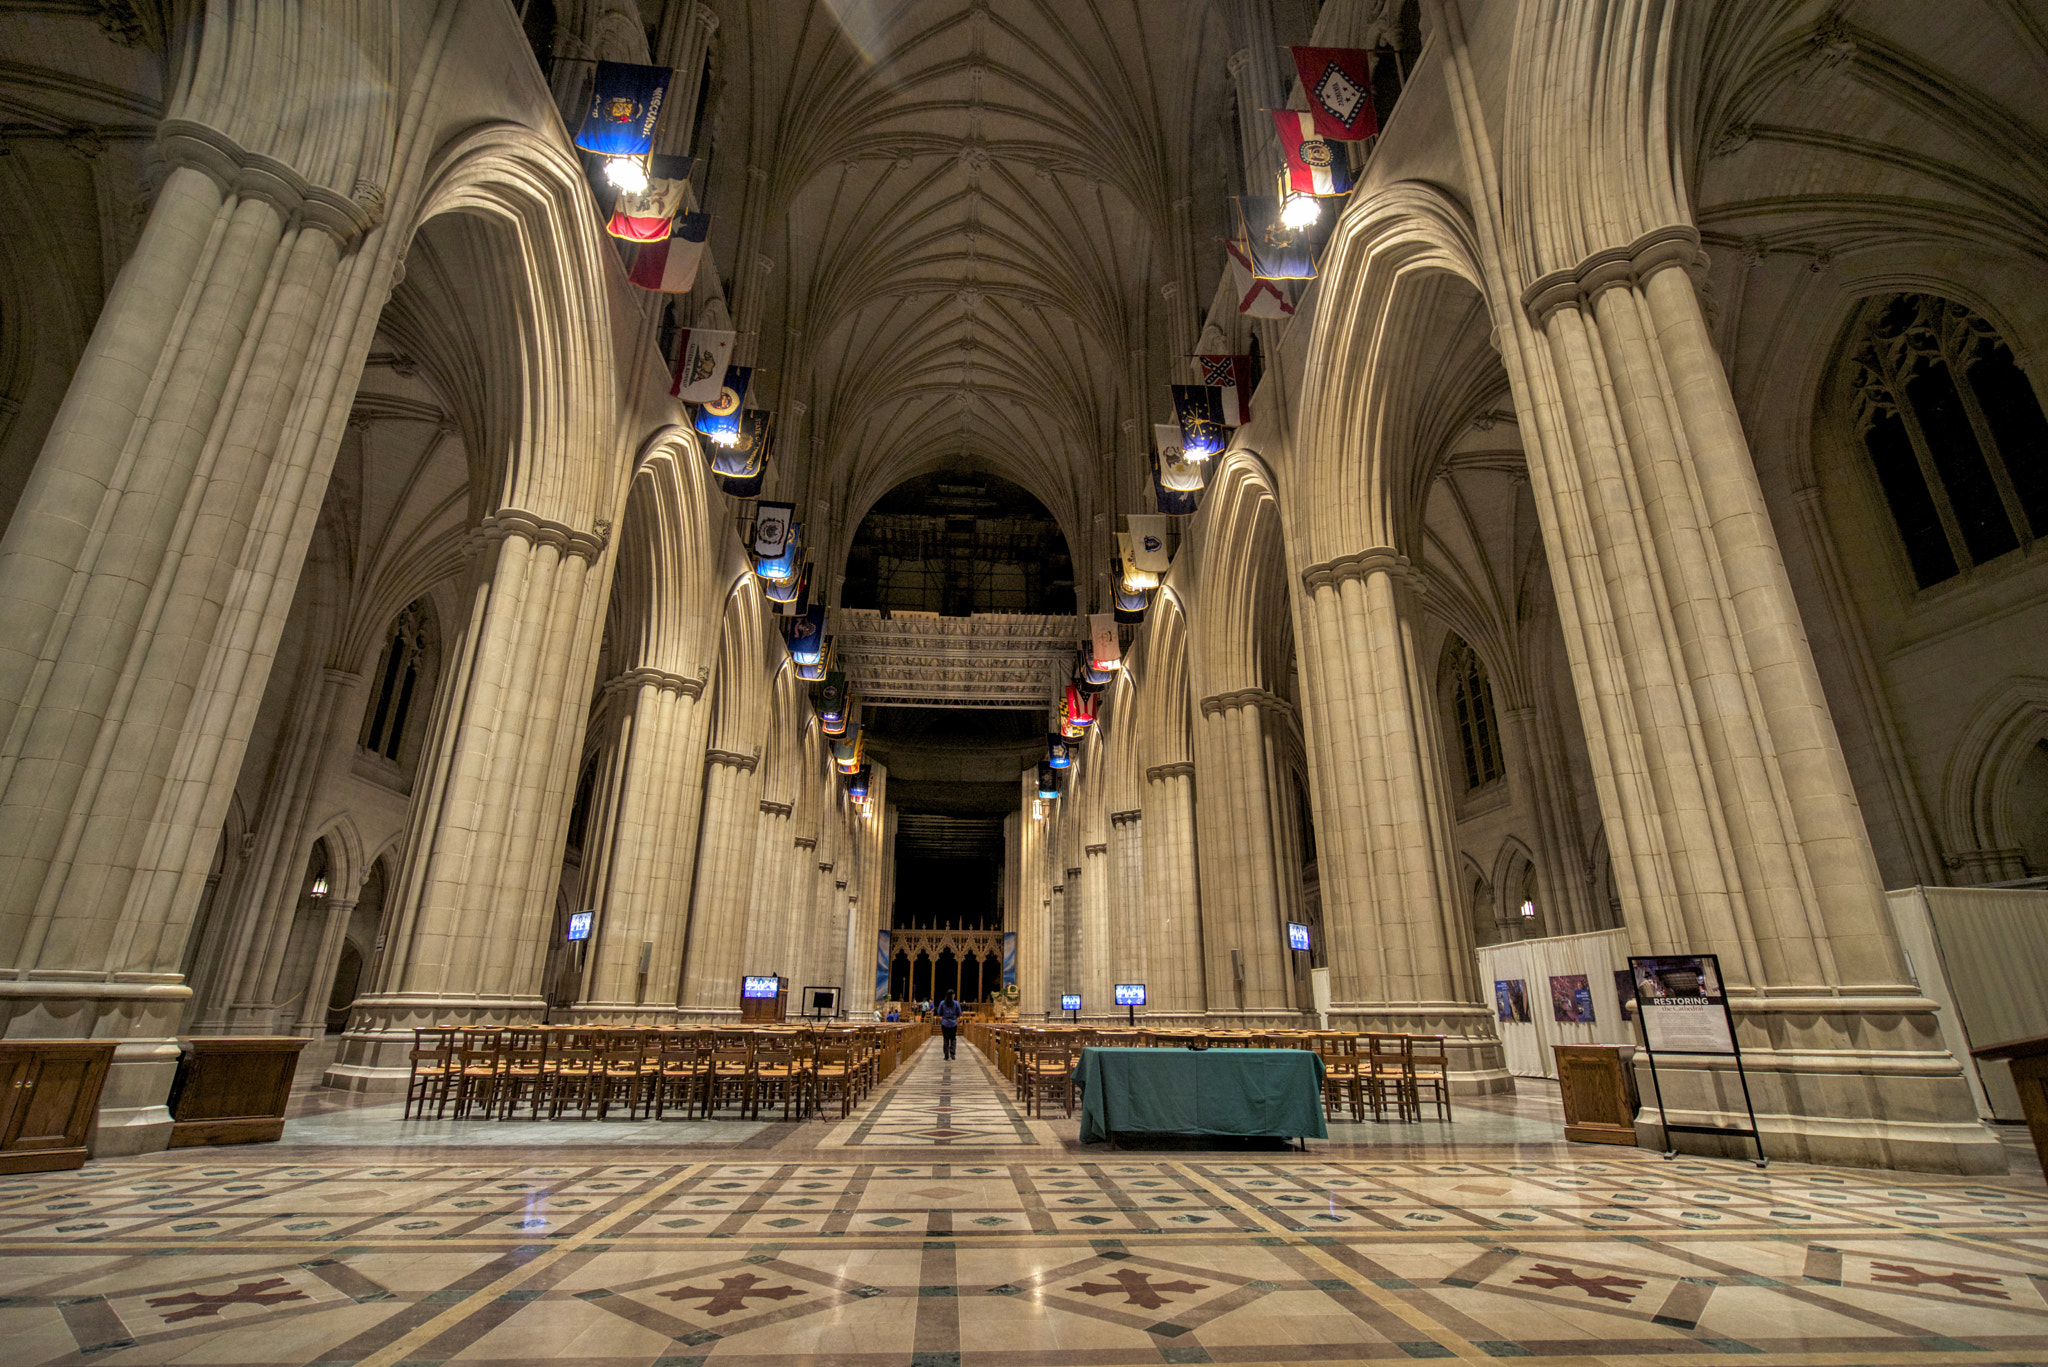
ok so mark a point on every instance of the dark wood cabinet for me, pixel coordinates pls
(1599, 1087)
(49, 1093)
(2029, 1059)
(232, 1090)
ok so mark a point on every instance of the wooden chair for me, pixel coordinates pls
(1429, 1073)
(577, 1074)
(1384, 1070)
(525, 1072)
(1341, 1082)
(433, 1071)
(780, 1074)
(477, 1061)
(1049, 1072)
(681, 1064)
(833, 1077)
(623, 1074)
(730, 1078)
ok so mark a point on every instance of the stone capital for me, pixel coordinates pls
(1676, 244)
(702, 17)
(1246, 697)
(744, 763)
(1130, 818)
(1359, 565)
(647, 677)
(1093, 849)
(540, 531)
(253, 175)
(1180, 768)
(806, 842)
(769, 808)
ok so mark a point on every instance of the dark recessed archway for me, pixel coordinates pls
(959, 542)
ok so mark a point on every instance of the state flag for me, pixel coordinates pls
(1130, 607)
(1105, 649)
(1200, 410)
(1172, 465)
(669, 266)
(1232, 375)
(1338, 83)
(1256, 298)
(1148, 543)
(650, 214)
(774, 529)
(701, 356)
(1315, 165)
(1128, 575)
(720, 418)
(625, 105)
(1275, 251)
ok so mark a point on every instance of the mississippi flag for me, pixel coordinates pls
(1256, 297)
(1314, 165)
(1232, 375)
(670, 265)
(1338, 83)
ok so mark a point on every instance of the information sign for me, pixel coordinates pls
(1297, 936)
(1070, 1001)
(579, 924)
(768, 987)
(1683, 1008)
(1130, 994)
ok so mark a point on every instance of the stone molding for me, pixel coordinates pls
(1244, 697)
(1360, 565)
(701, 15)
(744, 763)
(341, 678)
(540, 531)
(807, 842)
(1676, 244)
(253, 175)
(769, 808)
(645, 676)
(1180, 768)
(1130, 818)
(1092, 849)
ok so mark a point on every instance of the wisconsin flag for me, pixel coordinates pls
(1338, 83)
(701, 355)
(1256, 298)
(1315, 166)
(624, 107)
(1232, 375)
(669, 266)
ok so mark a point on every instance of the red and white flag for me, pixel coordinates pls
(649, 215)
(1256, 297)
(1232, 375)
(701, 357)
(670, 265)
(1315, 165)
(1338, 83)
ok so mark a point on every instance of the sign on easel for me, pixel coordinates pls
(1682, 1008)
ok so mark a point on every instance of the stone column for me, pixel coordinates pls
(1129, 959)
(682, 43)
(1099, 947)
(1242, 908)
(638, 854)
(1539, 785)
(1400, 949)
(475, 898)
(1730, 814)
(1173, 904)
(718, 904)
(319, 981)
(771, 914)
(1034, 909)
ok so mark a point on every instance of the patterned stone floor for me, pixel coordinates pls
(958, 1252)
(933, 1101)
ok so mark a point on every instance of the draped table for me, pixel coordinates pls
(1237, 1093)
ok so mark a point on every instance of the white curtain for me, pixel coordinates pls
(1982, 955)
(1598, 956)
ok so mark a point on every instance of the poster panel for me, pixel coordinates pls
(881, 966)
(1571, 999)
(1684, 1009)
(1009, 958)
(1511, 1001)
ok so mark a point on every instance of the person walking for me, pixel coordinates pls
(949, 1024)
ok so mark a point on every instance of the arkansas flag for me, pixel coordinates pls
(1255, 297)
(1315, 166)
(701, 356)
(1338, 83)
(670, 265)
(1232, 375)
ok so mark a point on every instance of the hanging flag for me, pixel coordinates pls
(1172, 501)
(831, 698)
(720, 418)
(1130, 607)
(1048, 781)
(648, 215)
(857, 785)
(1079, 709)
(1175, 470)
(624, 107)
(807, 637)
(1256, 298)
(701, 354)
(1315, 165)
(774, 532)
(1106, 651)
(1148, 543)
(848, 749)
(1056, 753)
(787, 594)
(669, 264)
(1232, 375)
(1128, 575)
(1338, 83)
(1276, 252)
(1200, 410)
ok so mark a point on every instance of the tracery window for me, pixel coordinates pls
(397, 683)
(1472, 714)
(1953, 430)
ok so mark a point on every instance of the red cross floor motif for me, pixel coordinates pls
(1968, 1283)
(199, 1306)
(1603, 1287)
(731, 1294)
(1137, 1288)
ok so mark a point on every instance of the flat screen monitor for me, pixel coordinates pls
(1130, 994)
(1297, 936)
(823, 998)
(579, 924)
(770, 987)
(1071, 1001)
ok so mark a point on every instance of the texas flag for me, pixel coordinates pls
(1232, 375)
(670, 265)
(1256, 297)
(1338, 83)
(1315, 166)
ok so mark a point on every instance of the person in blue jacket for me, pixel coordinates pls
(949, 1024)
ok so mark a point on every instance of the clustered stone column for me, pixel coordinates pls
(1130, 961)
(1173, 905)
(1242, 862)
(1400, 950)
(1730, 815)
(725, 859)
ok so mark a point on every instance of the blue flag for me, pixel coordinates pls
(1276, 251)
(1200, 410)
(807, 637)
(720, 419)
(624, 109)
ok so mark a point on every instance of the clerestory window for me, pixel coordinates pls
(1954, 432)
(397, 683)
(1472, 713)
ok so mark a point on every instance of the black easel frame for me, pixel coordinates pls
(1749, 1132)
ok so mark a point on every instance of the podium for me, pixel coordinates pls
(764, 999)
(2029, 1059)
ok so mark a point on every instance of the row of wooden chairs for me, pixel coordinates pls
(491, 1073)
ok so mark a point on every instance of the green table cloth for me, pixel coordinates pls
(1236, 1092)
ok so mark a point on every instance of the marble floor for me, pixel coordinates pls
(936, 1228)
